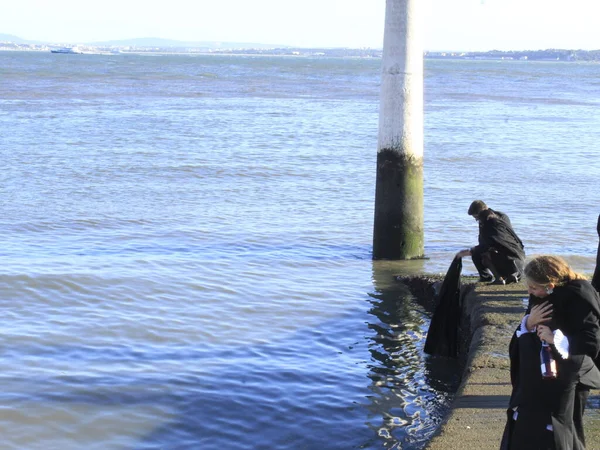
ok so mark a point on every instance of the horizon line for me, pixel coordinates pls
(250, 45)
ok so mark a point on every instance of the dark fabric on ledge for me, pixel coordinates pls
(443, 334)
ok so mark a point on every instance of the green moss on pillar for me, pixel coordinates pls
(398, 226)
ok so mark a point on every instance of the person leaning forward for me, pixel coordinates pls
(499, 256)
(545, 410)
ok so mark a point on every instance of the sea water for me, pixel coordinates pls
(186, 241)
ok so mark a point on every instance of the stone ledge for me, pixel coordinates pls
(478, 413)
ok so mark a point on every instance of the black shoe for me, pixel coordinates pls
(498, 281)
(512, 279)
(483, 279)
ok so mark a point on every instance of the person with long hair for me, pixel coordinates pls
(546, 410)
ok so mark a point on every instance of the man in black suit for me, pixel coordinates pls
(499, 256)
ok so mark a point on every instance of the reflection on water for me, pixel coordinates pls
(347, 373)
(410, 390)
(310, 362)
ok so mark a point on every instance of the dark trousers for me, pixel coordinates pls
(492, 262)
(477, 257)
(581, 396)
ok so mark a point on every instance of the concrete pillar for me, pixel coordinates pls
(398, 226)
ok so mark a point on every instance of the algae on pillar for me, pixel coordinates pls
(398, 225)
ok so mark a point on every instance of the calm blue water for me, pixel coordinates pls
(186, 241)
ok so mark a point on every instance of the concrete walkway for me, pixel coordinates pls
(478, 413)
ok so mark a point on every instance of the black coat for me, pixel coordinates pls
(497, 233)
(576, 312)
(596, 278)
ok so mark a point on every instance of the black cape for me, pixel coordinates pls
(596, 278)
(443, 334)
(497, 233)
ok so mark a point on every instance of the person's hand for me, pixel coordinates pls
(539, 314)
(463, 253)
(545, 334)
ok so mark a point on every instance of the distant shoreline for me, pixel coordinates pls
(522, 55)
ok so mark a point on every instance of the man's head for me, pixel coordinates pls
(476, 207)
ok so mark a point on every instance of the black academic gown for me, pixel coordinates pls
(443, 334)
(498, 233)
(596, 278)
(478, 251)
(505, 248)
(576, 312)
(500, 215)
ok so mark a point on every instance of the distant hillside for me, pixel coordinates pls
(165, 43)
(15, 39)
(150, 42)
(550, 54)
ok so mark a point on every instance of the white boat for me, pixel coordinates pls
(68, 50)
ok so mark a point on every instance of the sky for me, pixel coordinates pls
(447, 25)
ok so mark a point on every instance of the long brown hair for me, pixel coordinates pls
(546, 269)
